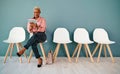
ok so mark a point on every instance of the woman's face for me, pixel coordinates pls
(36, 13)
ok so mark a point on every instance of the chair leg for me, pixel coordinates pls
(99, 53)
(43, 51)
(96, 48)
(109, 50)
(31, 53)
(89, 52)
(20, 45)
(75, 50)
(86, 51)
(105, 51)
(6, 55)
(18, 51)
(79, 49)
(58, 45)
(56, 51)
(12, 47)
(67, 52)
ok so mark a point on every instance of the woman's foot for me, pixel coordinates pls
(21, 52)
(39, 62)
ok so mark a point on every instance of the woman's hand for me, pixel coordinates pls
(33, 27)
(31, 23)
(31, 31)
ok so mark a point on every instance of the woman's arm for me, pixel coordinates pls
(31, 28)
(42, 25)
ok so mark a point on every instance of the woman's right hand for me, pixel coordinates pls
(30, 29)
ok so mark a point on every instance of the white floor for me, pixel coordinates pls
(61, 66)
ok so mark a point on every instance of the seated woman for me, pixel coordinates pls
(38, 35)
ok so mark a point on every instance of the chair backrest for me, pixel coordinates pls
(17, 34)
(100, 34)
(81, 35)
(61, 35)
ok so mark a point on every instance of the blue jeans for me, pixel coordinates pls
(34, 40)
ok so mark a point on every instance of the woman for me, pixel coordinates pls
(38, 35)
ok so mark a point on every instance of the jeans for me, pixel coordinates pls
(34, 40)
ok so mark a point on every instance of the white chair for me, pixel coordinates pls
(61, 36)
(42, 49)
(100, 36)
(81, 36)
(16, 36)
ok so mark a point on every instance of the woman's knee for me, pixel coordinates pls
(34, 45)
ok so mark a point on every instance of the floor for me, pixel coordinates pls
(61, 66)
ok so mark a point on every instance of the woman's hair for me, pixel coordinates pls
(37, 8)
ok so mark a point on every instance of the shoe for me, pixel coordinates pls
(18, 54)
(39, 65)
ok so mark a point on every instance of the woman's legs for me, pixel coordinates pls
(35, 50)
(31, 41)
(37, 55)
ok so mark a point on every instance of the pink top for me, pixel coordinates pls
(41, 23)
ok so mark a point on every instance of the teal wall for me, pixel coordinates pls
(70, 14)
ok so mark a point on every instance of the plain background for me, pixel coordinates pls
(71, 14)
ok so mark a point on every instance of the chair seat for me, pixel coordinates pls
(44, 41)
(105, 42)
(12, 41)
(62, 42)
(84, 42)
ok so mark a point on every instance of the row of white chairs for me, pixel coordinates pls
(81, 36)
(61, 36)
